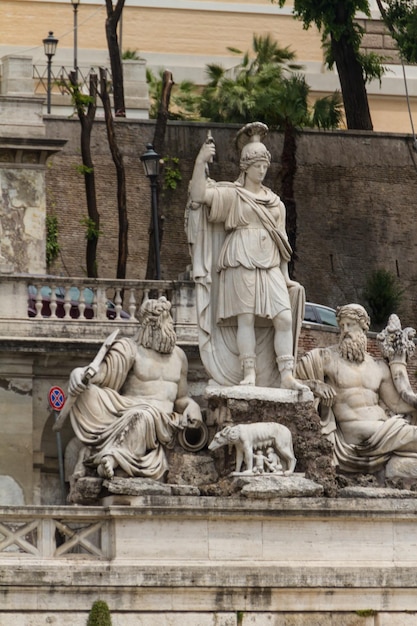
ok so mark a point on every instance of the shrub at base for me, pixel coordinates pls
(99, 614)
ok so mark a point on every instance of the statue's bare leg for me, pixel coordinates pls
(283, 344)
(106, 467)
(246, 343)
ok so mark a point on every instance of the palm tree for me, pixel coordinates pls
(267, 87)
(232, 95)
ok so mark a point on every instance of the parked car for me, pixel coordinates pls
(75, 302)
(320, 314)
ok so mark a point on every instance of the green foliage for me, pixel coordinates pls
(99, 614)
(336, 20)
(172, 174)
(401, 19)
(331, 16)
(80, 100)
(84, 169)
(327, 112)
(184, 101)
(52, 244)
(92, 232)
(265, 86)
(383, 296)
(130, 55)
(372, 66)
(366, 613)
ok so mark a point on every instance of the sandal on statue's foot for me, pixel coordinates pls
(249, 370)
(286, 367)
(289, 382)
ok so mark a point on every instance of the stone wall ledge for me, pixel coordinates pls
(79, 574)
(133, 589)
(195, 554)
(319, 508)
(31, 336)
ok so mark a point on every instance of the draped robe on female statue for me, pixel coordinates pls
(233, 261)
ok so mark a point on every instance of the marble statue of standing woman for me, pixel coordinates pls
(249, 310)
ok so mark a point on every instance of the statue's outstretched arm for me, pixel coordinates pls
(311, 370)
(184, 404)
(324, 391)
(198, 183)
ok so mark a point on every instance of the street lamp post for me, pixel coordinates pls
(49, 44)
(75, 4)
(150, 160)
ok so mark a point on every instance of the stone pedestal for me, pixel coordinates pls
(136, 88)
(295, 410)
(17, 75)
(20, 109)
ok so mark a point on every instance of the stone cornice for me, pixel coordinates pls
(28, 153)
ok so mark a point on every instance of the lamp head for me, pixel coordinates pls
(49, 44)
(150, 161)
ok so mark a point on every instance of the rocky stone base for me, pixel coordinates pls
(270, 486)
(125, 491)
(243, 405)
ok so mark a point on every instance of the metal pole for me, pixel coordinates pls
(76, 41)
(60, 462)
(155, 227)
(48, 100)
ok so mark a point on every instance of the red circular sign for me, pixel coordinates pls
(56, 398)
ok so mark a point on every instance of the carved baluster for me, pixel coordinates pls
(67, 304)
(94, 304)
(81, 305)
(38, 301)
(145, 294)
(53, 302)
(132, 303)
(118, 302)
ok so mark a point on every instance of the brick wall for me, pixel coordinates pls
(355, 195)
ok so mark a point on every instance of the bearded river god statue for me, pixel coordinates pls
(135, 402)
(249, 310)
(367, 406)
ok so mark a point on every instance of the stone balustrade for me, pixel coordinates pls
(29, 532)
(54, 306)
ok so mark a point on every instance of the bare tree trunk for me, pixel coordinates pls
(159, 146)
(113, 17)
(121, 178)
(87, 120)
(163, 112)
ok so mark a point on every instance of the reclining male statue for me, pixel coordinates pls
(137, 401)
(366, 404)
